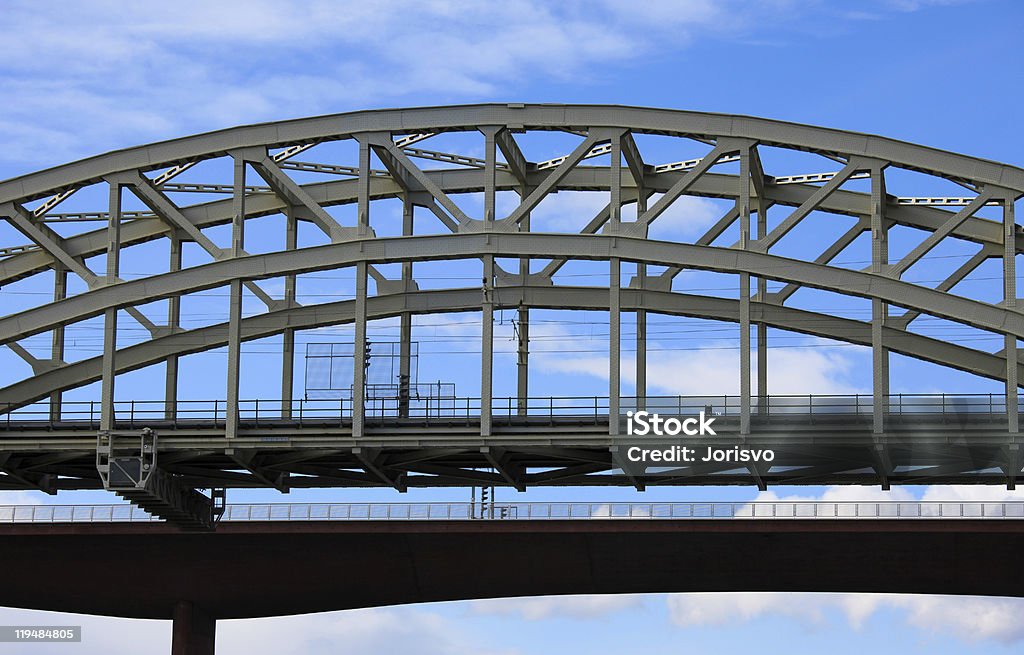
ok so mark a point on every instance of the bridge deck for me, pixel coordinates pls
(554, 441)
(250, 569)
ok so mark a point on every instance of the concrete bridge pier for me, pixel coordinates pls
(194, 631)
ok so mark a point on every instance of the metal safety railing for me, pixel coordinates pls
(539, 511)
(789, 408)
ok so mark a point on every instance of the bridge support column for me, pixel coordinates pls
(614, 343)
(60, 288)
(487, 310)
(360, 360)
(194, 631)
(173, 322)
(487, 348)
(363, 190)
(762, 356)
(360, 345)
(234, 359)
(641, 344)
(879, 315)
(879, 309)
(757, 177)
(615, 289)
(291, 236)
(235, 307)
(1010, 301)
(523, 350)
(641, 314)
(405, 328)
(109, 366)
(523, 345)
(744, 293)
(744, 353)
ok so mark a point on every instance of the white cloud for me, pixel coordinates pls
(686, 217)
(129, 75)
(359, 632)
(670, 12)
(967, 493)
(839, 494)
(567, 211)
(717, 609)
(915, 5)
(714, 370)
(966, 618)
(549, 607)
(970, 619)
(91, 76)
(944, 493)
(22, 498)
(100, 634)
(369, 632)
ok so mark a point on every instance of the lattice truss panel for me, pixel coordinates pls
(122, 242)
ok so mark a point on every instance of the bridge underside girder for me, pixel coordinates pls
(320, 566)
(541, 451)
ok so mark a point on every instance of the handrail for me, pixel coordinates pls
(140, 413)
(540, 511)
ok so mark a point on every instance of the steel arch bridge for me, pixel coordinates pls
(48, 442)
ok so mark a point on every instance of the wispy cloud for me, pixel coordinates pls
(714, 369)
(22, 498)
(86, 77)
(969, 619)
(551, 607)
(360, 632)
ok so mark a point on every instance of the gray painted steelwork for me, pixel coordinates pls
(491, 448)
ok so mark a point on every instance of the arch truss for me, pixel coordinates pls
(872, 186)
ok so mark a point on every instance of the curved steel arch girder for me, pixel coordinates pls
(269, 324)
(584, 178)
(977, 314)
(531, 117)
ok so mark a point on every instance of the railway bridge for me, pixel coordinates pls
(376, 196)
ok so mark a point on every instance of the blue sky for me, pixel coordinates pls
(88, 77)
